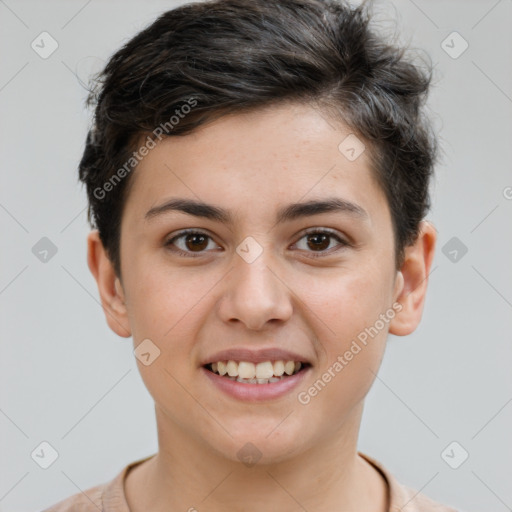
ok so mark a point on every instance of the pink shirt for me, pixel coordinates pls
(110, 496)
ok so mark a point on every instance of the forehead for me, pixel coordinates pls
(256, 161)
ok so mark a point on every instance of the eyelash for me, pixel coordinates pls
(314, 231)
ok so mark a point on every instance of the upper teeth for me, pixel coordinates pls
(264, 370)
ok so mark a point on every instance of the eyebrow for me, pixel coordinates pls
(288, 213)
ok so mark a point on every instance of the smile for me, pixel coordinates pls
(251, 373)
(255, 382)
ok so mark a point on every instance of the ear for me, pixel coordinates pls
(109, 286)
(412, 280)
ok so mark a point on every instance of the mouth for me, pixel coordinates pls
(256, 383)
(263, 373)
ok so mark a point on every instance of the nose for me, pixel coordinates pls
(255, 294)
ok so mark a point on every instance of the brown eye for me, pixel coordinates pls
(191, 242)
(318, 241)
(195, 242)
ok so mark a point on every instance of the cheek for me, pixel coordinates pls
(352, 340)
(167, 306)
(345, 302)
(161, 301)
(162, 307)
(355, 342)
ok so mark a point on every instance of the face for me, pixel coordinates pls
(309, 282)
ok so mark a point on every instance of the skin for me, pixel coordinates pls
(191, 307)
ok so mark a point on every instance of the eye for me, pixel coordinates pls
(319, 241)
(193, 242)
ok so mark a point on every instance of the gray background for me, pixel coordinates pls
(68, 380)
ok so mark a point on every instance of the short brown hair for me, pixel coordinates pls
(229, 56)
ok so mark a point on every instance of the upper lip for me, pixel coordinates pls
(254, 356)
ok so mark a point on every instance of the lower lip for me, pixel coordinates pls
(256, 392)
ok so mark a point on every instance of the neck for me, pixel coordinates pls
(188, 474)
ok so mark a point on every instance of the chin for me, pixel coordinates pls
(254, 445)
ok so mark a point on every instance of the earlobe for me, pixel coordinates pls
(413, 276)
(109, 287)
